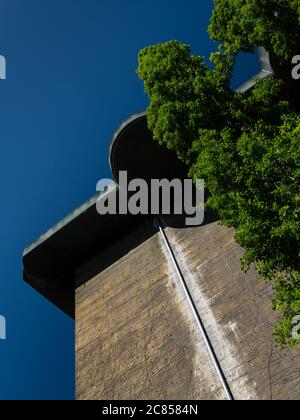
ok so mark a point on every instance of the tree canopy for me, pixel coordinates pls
(247, 24)
(245, 145)
(185, 94)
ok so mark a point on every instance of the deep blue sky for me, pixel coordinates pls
(71, 81)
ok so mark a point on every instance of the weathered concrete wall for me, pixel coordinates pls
(136, 338)
(236, 308)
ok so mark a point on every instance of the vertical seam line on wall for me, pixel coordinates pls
(195, 312)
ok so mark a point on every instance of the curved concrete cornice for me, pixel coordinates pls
(50, 263)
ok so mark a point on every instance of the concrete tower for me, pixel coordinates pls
(137, 329)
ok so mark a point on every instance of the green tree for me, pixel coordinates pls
(185, 94)
(247, 24)
(243, 25)
(287, 300)
(245, 146)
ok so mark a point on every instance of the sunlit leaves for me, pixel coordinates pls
(245, 145)
(247, 24)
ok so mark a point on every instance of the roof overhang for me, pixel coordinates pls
(50, 263)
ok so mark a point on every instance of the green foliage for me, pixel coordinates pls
(253, 175)
(245, 146)
(247, 24)
(287, 300)
(185, 94)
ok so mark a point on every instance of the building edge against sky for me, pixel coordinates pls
(50, 270)
(136, 337)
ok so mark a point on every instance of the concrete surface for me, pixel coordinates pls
(136, 337)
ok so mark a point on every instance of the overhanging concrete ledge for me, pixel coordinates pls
(50, 262)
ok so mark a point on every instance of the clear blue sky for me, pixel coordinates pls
(70, 82)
